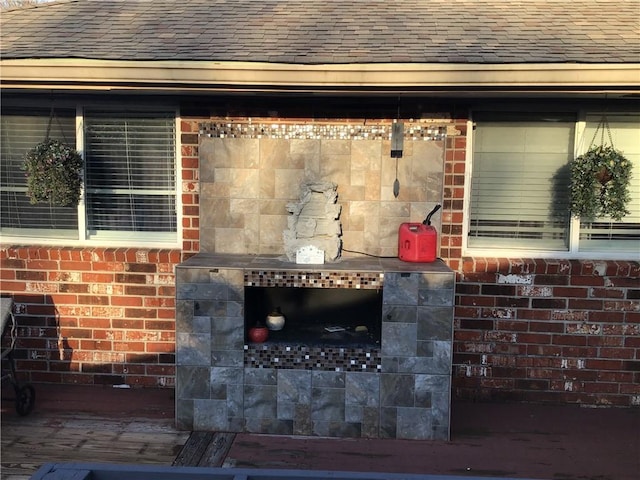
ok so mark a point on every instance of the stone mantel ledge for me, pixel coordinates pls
(281, 263)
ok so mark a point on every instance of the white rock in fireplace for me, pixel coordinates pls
(314, 221)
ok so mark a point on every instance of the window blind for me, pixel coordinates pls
(21, 131)
(520, 179)
(605, 233)
(130, 172)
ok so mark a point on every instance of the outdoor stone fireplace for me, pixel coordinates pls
(392, 383)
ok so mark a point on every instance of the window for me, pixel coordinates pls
(129, 176)
(21, 131)
(520, 183)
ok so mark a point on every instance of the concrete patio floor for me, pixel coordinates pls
(488, 439)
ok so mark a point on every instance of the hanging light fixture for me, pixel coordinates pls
(397, 139)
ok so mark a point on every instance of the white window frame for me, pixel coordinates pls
(116, 238)
(573, 251)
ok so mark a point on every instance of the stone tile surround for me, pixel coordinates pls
(223, 383)
(250, 171)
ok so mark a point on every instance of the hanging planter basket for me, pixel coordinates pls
(53, 172)
(600, 184)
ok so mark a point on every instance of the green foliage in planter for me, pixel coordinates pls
(53, 174)
(600, 184)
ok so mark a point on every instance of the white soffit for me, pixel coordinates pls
(84, 74)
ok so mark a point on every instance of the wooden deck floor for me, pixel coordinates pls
(89, 424)
(28, 442)
(105, 425)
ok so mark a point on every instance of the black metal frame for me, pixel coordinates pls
(25, 394)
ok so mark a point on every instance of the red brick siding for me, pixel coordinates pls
(93, 315)
(548, 330)
(453, 195)
(190, 185)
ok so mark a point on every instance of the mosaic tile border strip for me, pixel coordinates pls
(271, 278)
(319, 131)
(301, 357)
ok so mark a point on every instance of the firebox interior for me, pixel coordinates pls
(318, 316)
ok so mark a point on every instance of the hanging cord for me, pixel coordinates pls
(8, 180)
(51, 114)
(61, 128)
(170, 183)
(365, 253)
(604, 123)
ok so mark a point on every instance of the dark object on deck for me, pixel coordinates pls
(25, 393)
(205, 449)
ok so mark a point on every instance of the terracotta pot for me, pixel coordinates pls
(258, 334)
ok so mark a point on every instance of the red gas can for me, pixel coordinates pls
(418, 242)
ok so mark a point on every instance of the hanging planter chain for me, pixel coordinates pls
(51, 114)
(602, 124)
(604, 174)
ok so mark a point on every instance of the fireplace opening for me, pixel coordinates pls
(317, 316)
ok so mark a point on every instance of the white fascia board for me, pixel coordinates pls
(85, 74)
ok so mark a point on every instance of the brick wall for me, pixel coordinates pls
(190, 186)
(93, 316)
(453, 195)
(548, 330)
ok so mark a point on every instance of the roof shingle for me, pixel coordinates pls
(328, 31)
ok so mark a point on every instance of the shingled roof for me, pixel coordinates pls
(309, 32)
